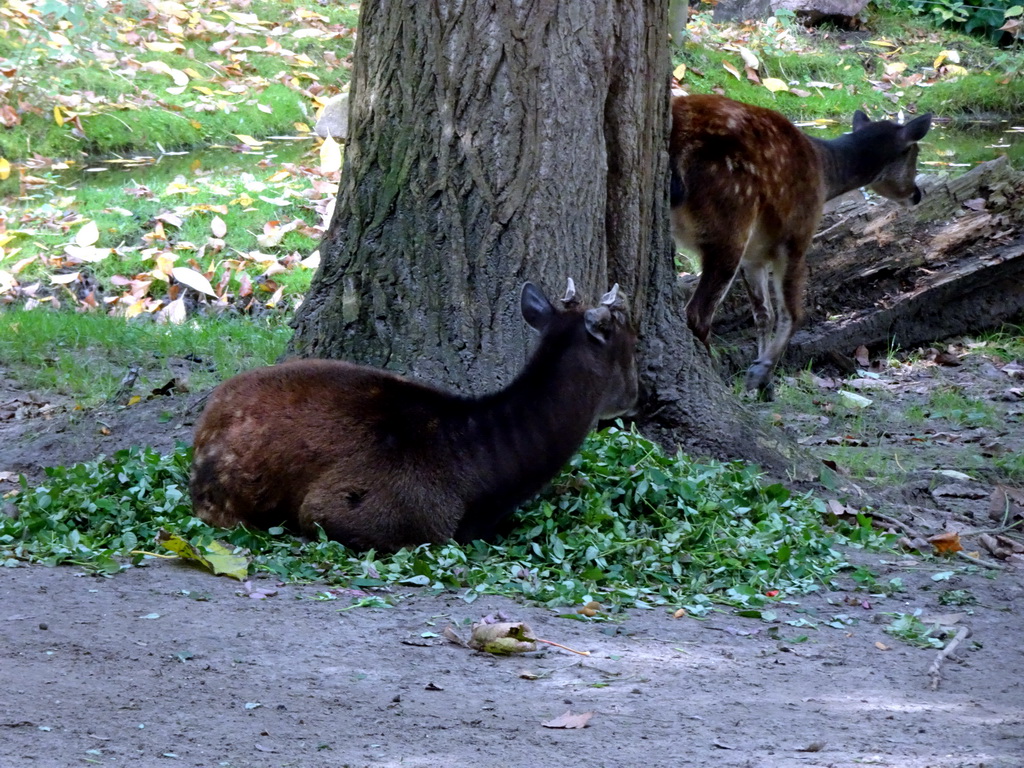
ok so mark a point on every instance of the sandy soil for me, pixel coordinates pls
(167, 664)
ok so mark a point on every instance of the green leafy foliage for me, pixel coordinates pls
(909, 628)
(624, 524)
(972, 16)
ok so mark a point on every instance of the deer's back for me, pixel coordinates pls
(269, 433)
(742, 166)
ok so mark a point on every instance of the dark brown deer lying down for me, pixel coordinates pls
(381, 461)
(747, 193)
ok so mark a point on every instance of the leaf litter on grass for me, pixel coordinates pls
(54, 255)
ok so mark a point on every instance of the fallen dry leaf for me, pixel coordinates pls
(503, 638)
(946, 543)
(590, 609)
(569, 720)
(1006, 504)
(814, 746)
(453, 637)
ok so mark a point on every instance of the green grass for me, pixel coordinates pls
(1006, 344)
(706, 73)
(951, 405)
(990, 86)
(624, 524)
(85, 356)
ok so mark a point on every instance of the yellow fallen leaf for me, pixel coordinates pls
(134, 400)
(749, 58)
(276, 298)
(165, 265)
(774, 85)
(731, 69)
(218, 227)
(249, 141)
(162, 68)
(881, 43)
(955, 70)
(330, 156)
(219, 557)
(58, 118)
(7, 281)
(163, 47)
(20, 265)
(243, 18)
(679, 72)
(88, 234)
(5, 168)
(87, 253)
(194, 280)
(135, 309)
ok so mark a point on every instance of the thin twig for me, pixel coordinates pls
(979, 561)
(911, 533)
(1001, 530)
(961, 634)
(563, 647)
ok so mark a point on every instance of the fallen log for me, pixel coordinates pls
(883, 276)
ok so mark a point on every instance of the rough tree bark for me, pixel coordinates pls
(493, 143)
(883, 276)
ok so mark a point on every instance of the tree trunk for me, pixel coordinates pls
(678, 16)
(494, 143)
(883, 276)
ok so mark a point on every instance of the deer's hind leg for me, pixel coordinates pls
(720, 256)
(787, 283)
(755, 276)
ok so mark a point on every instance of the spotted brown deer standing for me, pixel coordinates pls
(748, 189)
(380, 461)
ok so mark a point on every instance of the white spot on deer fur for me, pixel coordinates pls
(729, 164)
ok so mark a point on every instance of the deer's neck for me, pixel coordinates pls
(845, 164)
(522, 435)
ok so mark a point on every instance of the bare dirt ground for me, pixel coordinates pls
(167, 664)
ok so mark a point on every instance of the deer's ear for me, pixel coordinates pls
(860, 120)
(916, 129)
(537, 310)
(598, 321)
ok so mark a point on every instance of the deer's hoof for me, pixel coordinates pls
(759, 377)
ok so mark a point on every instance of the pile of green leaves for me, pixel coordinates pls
(624, 524)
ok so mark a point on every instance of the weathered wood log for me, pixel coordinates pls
(885, 276)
